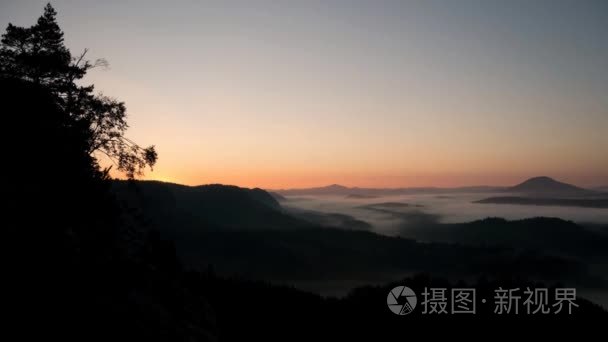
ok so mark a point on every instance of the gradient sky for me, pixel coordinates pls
(369, 93)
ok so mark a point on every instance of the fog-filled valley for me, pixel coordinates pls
(461, 217)
(330, 243)
(393, 215)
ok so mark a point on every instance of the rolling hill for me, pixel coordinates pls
(553, 235)
(547, 186)
(214, 206)
(546, 191)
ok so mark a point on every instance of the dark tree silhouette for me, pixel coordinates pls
(37, 54)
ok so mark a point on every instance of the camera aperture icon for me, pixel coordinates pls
(401, 300)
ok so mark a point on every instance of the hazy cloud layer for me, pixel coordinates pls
(390, 215)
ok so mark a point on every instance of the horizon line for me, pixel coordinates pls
(326, 185)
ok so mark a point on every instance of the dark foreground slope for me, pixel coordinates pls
(265, 311)
(76, 266)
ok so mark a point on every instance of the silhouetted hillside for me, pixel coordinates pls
(363, 314)
(77, 266)
(277, 196)
(327, 256)
(167, 205)
(551, 235)
(547, 186)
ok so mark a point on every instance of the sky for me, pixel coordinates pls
(283, 94)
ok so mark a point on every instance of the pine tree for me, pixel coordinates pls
(38, 54)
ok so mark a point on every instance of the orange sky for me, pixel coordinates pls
(383, 94)
(285, 181)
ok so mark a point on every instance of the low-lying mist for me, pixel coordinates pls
(393, 215)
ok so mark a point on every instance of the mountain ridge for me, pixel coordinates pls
(341, 190)
(534, 185)
(211, 206)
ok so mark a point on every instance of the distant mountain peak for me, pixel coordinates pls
(542, 179)
(336, 187)
(544, 184)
